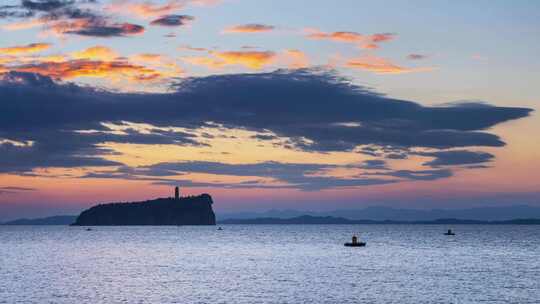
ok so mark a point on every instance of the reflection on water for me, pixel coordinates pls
(270, 264)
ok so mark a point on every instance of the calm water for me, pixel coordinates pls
(270, 264)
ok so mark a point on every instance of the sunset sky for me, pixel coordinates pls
(269, 104)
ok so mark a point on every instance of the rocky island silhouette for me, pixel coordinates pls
(189, 210)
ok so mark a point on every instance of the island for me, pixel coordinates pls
(189, 210)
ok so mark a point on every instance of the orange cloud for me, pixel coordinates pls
(144, 10)
(25, 49)
(89, 68)
(96, 53)
(6, 59)
(148, 57)
(249, 28)
(166, 65)
(18, 60)
(364, 41)
(335, 36)
(148, 9)
(251, 59)
(381, 37)
(96, 62)
(380, 65)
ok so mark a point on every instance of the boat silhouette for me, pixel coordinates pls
(355, 243)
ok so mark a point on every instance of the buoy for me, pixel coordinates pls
(449, 232)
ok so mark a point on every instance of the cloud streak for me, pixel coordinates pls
(173, 20)
(417, 57)
(25, 49)
(380, 65)
(363, 41)
(303, 176)
(152, 10)
(249, 28)
(96, 28)
(456, 157)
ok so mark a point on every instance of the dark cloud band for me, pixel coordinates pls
(311, 110)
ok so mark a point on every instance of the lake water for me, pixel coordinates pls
(270, 264)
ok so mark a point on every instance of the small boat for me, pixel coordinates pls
(220, 228)
(449, 232)
(88, 229)
(355, 243)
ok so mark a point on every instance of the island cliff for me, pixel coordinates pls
(192, 210)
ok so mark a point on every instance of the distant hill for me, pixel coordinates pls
(329, 220)
(396, 214)
(52, 220)
(192, 210)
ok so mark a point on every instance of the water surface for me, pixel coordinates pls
(270, 264)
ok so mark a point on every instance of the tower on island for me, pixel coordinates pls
(176, 193)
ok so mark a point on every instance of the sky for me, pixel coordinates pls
(307, 105)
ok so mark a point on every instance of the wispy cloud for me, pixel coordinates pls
(25, 49)
(417, 56)
(149, 9)
(145, 10)
(95, 28)
(23, 25)
(270, 175)
(192, 48)
(249, 28)
(363, 41)
(12, 190)
(380, 65)
(173, 20)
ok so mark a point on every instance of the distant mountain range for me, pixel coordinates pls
(329, 220)
(395, 214)
(366, 215)
(53, 220)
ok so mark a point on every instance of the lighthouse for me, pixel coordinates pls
(176, 193)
